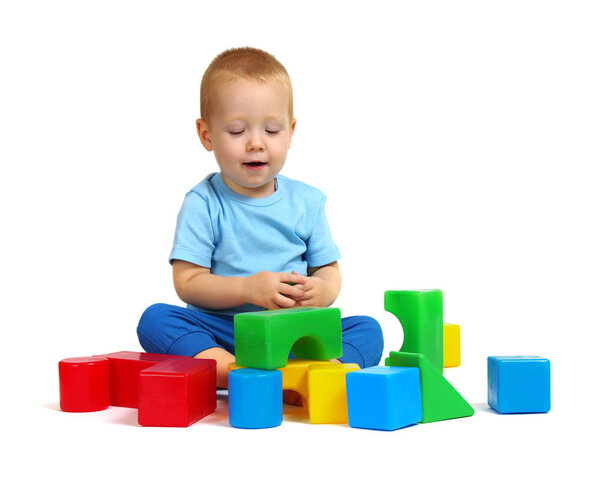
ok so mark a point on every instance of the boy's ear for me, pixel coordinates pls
(203, 134)
(292, 128)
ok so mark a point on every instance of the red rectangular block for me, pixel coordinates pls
(177, 392)
(123, 371)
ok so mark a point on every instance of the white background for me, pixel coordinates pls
(458, 144)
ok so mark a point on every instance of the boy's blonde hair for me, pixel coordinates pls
(244, 62)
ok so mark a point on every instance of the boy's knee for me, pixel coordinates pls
(153, 316)
(367, 337)
(152, 322)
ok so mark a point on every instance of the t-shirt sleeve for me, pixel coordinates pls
(320, 247)
(194, 237)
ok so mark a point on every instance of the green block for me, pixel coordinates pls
(264, 339)
(421, 314)
(440, 399)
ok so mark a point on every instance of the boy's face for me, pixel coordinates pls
(250, 134)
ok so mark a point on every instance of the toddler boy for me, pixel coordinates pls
(246, 234)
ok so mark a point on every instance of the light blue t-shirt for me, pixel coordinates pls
(234, 235)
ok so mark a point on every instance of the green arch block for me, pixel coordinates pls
(264, 339)
(440, 399)
(421, 314)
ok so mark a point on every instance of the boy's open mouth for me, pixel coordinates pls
(255, 165)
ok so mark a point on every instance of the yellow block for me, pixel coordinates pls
(327, 390)
(451, 345)
(295, 377)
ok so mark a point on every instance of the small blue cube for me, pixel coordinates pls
(519, 384)
(384, 398)
(255, 398)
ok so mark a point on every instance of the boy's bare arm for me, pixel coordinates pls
(197, 286)
(322, 286)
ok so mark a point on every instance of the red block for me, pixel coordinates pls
(83, 383)
(124, 368)
(177, 392)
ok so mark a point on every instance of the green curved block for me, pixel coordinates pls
(440, 399)
(264, 339)
(421, 314)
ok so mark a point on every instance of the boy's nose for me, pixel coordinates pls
(255, 143)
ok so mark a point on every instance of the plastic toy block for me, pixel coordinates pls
(421, 314)
(440, 399)
(324, 402)
(519, 384)
(264, 339)
(384, 398)
(294, 375)
(451, 345)
(255, 398)
(177, 392)
(84, 384)
(123, 370)
(327, 392)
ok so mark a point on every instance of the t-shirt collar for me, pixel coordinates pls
(217, 181)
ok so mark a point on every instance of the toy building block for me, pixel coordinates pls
(519, 384)
(440, 399)
(451, 345)
(123, 371)
(325, 400)
(255, 398)
(264, 339)
(84, 384)
(327, 392)
(294, 376)
(421, 314)
(177, 392)
(384, 398)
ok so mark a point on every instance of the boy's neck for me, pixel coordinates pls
(258, 192)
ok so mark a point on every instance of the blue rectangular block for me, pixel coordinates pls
(384, 398)
(519, 384)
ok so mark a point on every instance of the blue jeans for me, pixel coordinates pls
(181, 331)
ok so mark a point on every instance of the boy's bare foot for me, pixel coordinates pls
(290, 397)
(223, 358)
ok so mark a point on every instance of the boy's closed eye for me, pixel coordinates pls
(272, 132)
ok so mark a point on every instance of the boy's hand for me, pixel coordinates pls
(314, 293)
(272, 290)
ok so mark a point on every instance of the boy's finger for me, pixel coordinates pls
(284, 302)
(293, 292)
(293, 278)
(308, 294)
(305, 288)
(272, 306)
(305, 303)
(305, 300)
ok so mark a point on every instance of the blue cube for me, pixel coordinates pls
(255, 398)
(384, 398)
(519, 384)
